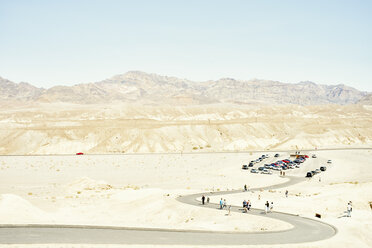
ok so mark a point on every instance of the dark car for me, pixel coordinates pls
(309, 174)
(261, 168)
(245, 167)
(323, 168)
(276, 155)
(250, 164)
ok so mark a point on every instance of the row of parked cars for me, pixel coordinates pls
(314, 172)
(253, 162)
(285, 164)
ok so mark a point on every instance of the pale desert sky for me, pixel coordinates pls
(67, 42)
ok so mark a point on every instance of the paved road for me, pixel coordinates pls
(305, 230)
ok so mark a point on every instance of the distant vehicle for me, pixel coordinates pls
(245, 167)
(313, 172)
(329, 161)
(261, 168)
(266, 172)
(254, 171)
(79, 153)
(314, 156)
(309, 174)
(267, 155)
(317, 171)
(250, 164)
(323, 168)
(306, 156)
(276, 155)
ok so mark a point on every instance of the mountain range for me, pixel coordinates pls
(145, 88)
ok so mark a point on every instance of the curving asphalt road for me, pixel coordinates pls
(305, 230)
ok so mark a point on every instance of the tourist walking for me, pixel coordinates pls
(221, 203)
(286, 193)
(249, 205)
(271, 207)
(245, 187)
(349, 209)
(208, 200)
(267, 205)
(203, 199)
(224, 203)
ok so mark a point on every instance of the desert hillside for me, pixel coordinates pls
(70, 128)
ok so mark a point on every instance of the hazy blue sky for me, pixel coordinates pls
(68, 42)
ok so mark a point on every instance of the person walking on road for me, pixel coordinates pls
(349, 209)
(203, 199)
(224, 203)
(271, 207)
(286, 193)
(221, 203)
(245, 187)
(208, 200)
(267, 205)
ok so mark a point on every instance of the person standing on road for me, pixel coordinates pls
(203, 199)
(224, 203)
(208, 200)
(286, 193)
(245, 187)
(267, 207)
(249, 205)
(349, 209)
(271, 207)
(221, 203)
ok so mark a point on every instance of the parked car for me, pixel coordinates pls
(250, 164)
(329, 161)
(245, 167)
(261, 168)
(309, 174)
(314, 156)
(317, 171)
(276, 155)
(79, 153)
(323, 168)
(254, 171)
(266, 172)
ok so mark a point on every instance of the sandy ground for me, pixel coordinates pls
(140, 190)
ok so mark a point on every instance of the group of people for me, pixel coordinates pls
(204, 199)
(246, 206)
(269, 207)
(223, 203)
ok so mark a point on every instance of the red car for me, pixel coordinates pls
(79, 153)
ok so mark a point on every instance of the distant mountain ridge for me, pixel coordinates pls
(140, 87)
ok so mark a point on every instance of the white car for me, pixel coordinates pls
(329, 161)
(266, 172)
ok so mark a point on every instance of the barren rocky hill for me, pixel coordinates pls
(140, 87)
(70, 128)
